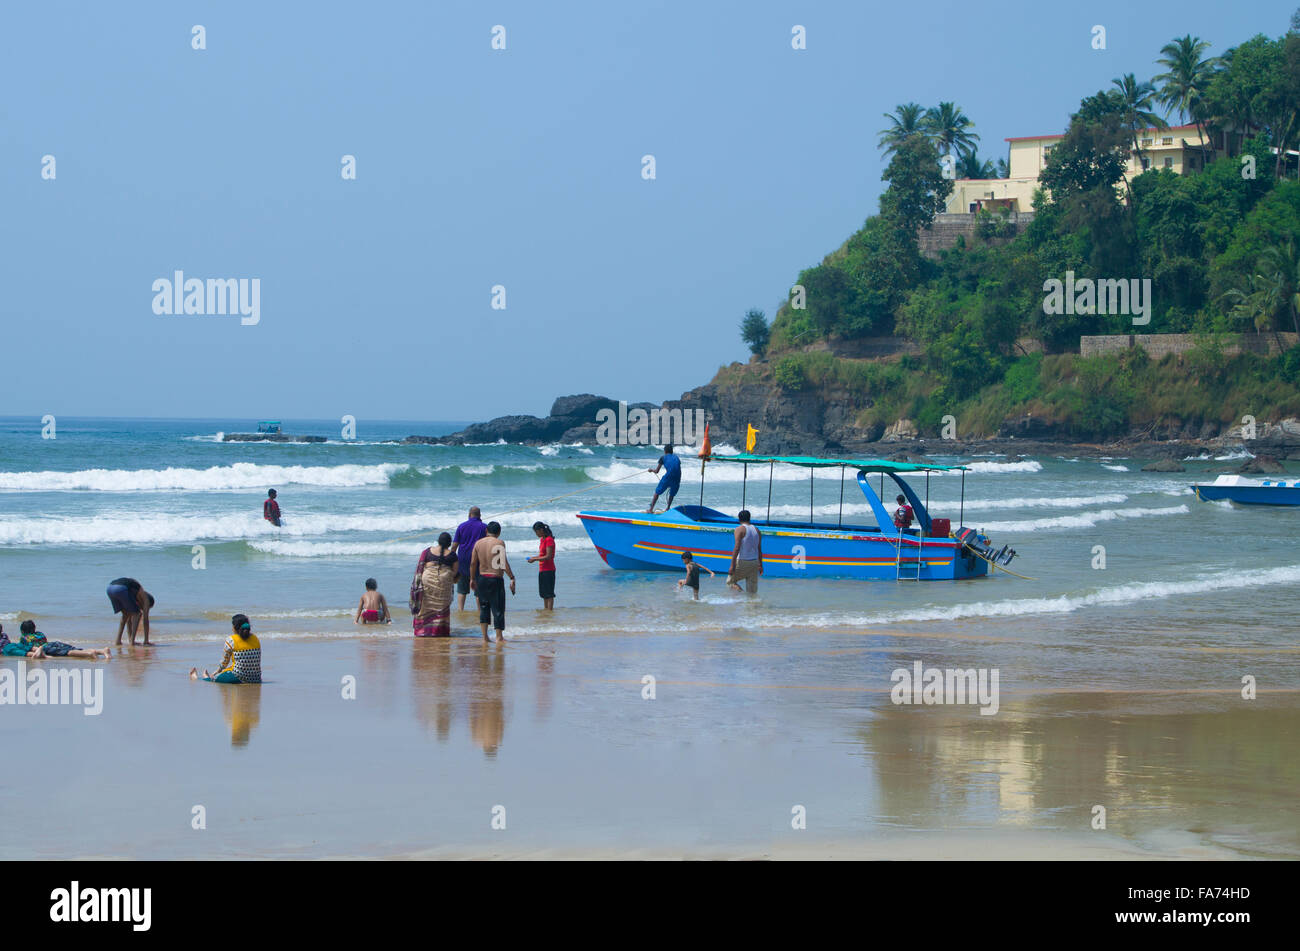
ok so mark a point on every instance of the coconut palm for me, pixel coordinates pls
(906, 120)
(1186, 76)
(949, 128)
(1259, 301)
(1004, 170)
(970, 165)
(1139, 100)
(1284, 260)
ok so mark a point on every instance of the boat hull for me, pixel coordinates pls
(1249, 494)
(642, 542)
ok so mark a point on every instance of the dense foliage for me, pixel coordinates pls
(1219, 246)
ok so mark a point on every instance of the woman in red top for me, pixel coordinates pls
(545, 559)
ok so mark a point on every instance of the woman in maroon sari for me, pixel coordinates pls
(432, 590)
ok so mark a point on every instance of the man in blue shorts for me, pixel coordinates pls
(670, 480)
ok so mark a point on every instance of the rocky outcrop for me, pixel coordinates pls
(572, 419)
(1261, 465)
(900, 429)
(1164, 465)
(269, 437)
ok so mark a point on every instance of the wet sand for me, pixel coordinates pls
(447, 737)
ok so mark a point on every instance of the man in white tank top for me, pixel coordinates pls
(747, 556)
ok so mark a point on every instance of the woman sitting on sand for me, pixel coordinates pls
(242, 663)
(36, 642)
(432, 589)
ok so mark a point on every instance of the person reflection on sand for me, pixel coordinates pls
(487, 717)
(431, 684)
(243, 710)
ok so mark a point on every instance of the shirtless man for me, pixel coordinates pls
(486, 567)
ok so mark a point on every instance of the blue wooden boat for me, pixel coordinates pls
(640, 541)
(1233, 488)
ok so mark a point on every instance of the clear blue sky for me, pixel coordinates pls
(474, 168)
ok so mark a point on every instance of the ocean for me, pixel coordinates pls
(1121, 655)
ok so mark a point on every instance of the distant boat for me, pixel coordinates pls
(792, 548)
(1235, 488)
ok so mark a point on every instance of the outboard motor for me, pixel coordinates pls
(981, 545)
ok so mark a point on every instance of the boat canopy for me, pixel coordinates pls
(862, 465)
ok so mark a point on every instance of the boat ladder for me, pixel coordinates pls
(907, 568)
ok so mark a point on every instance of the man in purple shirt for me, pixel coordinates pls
(468, 533)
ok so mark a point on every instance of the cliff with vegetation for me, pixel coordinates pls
(1220, 249)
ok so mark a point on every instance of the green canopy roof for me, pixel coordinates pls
(813, 462)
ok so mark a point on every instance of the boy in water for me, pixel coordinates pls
(692, 579)
(271, 508)
(34, 641)
(373, 608)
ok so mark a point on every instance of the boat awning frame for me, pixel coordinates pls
(862, 465)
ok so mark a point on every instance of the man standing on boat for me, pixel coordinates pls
(671, 479)
(902, 515)
(747, 556)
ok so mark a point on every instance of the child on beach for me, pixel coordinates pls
(692, 579)
(545, 559)
(373, 608)
(10, 649)
(36, 642)
(242, 663)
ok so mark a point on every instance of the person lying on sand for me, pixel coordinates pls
(36, 642)
(9, 649)
(242, 663)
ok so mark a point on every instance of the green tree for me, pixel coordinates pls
(1092, 153)
(1258, 88)
(1139, 101)
(906, 120)
(755, 331)
(1187, 73)
(917, 189)
(950, 129)
(1283, 260)
(970, 165)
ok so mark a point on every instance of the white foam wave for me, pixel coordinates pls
(241, 475)
(1025, 465)
(1115, 468)
(305, 549)
(1121, 594)
(1082, 520)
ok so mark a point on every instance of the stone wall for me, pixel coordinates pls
(947, 228)
(1157, 345)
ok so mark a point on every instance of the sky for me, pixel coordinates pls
(475, 168)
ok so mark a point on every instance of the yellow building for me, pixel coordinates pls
(1178, 148)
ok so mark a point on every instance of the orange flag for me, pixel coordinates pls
(750, 438)
(706, 447)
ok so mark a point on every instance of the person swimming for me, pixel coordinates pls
(373, 608)
(242, 663)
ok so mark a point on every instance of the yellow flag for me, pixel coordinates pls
(750, 438)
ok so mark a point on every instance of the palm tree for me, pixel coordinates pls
(1139, 100)
(970, 165)
(1186, 75)
(951, 131)
(907, 119)
(1259, 301)
(1284, 260)
(1004, 170)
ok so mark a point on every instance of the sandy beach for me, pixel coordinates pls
(552, 738)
